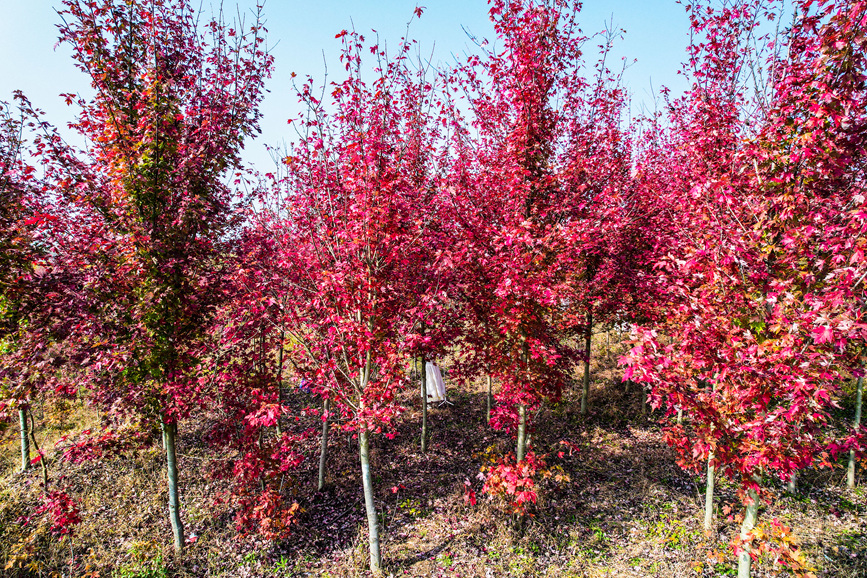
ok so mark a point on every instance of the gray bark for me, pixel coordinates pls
(170, 432)
(792, 484)
(708, 495)
(585, 391)
(744, 559)
(488, 399)
(850, 471)
(370, 506)
(280, 385)
(423, 405)
(708, 492)
(522, 432)
(323, 446)
(25, 440)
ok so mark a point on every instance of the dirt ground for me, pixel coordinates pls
(626, 510)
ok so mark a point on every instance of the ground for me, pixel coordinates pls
(627, 509)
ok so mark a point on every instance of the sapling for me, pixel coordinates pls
(172, 104)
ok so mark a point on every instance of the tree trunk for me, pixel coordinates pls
(708, 492)
(423, 405)
(488, 399)
(280, 386)
(708, 495)
(644, 401)
(588, 333)
(25, 441)
(792, 485)
(170, 432)
(679, 416)
(744, 559)
(323, 445)
(850, 472)
(522, 432)
(370, 506)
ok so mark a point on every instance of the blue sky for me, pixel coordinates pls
(657, 33)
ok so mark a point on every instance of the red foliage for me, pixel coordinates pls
(62, 512)
(266, 514)
(148, 211)
(762, 304)
(513, 482)
(88, 445)
(147, 204)
(339, 253)
(527, 259)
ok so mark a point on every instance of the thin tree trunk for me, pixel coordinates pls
(744, 559)
(708, 495)
(679, 416)
(792, 484)
(370, 506)
(850, 472)
(588, 333)
(522, 432)
(323, 445)
(423, 405)
(708, 492)
(280, 385)
(488, 399)
(25, 441)
(170, 432)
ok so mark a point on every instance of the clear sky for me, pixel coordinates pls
(657, 32)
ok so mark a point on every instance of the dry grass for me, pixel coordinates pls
(627, 511)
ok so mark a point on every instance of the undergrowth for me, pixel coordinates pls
(608, 501)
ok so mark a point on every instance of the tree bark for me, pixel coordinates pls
(644, 401)
(423, 405)
(588, 333)
(370, 506)
(744, 559)
(488, 399)
(792, 484)
(522, 432)
(25, 441)
(323, 445)
(280, 385)
(708, 492)
(170, 432)
(850, 471)
(708, 495)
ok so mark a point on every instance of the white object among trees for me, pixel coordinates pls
(436, 389)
